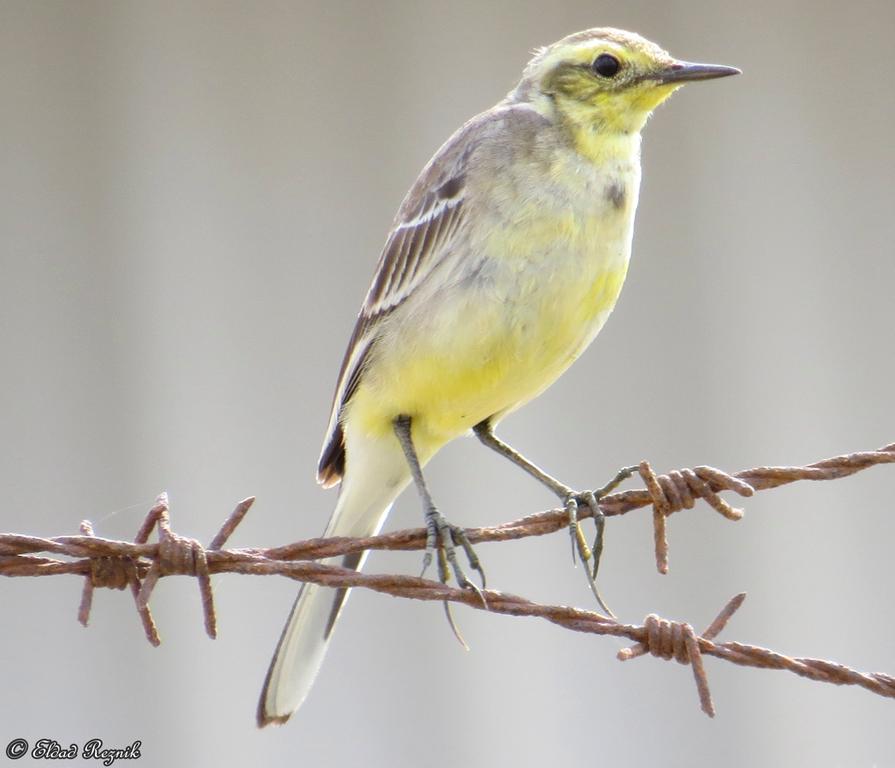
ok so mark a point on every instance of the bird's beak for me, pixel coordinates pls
(685, 71)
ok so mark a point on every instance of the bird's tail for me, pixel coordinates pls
(360, 511)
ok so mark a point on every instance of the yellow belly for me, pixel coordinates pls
(495, 343)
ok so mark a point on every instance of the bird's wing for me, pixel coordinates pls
(433, 211)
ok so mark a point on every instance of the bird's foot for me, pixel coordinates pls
(444, 538)
(573, 501)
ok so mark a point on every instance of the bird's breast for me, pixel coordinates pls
(568, 274)
(559, 262)
(527, 297)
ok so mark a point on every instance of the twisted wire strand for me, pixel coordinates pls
(139, 564)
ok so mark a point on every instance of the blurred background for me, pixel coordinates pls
(192, 200)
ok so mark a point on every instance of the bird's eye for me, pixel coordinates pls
(606, 65)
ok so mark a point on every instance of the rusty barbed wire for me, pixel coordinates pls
(139, 564)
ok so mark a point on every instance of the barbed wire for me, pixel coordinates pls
(140, 563)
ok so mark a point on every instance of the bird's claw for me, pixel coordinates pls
(444, 538)
(580, 549)
(574, 500)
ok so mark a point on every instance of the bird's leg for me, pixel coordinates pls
(570, 498)
(438, 531)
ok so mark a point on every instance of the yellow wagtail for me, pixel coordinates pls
(504, 260)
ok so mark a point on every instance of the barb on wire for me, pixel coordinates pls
(667, 640)
(139, 565)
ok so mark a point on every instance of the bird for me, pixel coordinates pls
(503, 262)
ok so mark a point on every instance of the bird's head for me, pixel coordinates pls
(608, 79)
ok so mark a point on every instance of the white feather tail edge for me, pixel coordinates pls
(360, 511)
